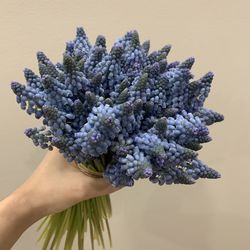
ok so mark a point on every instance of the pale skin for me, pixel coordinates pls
(54, 186)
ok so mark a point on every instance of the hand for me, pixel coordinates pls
(54, 186)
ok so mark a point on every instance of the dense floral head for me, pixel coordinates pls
(142, 112)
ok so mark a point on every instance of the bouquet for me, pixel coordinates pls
(123, 115)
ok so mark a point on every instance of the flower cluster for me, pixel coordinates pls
(134, 108)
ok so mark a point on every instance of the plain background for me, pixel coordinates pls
(210, 215)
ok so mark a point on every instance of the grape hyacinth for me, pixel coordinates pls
(144, 115)
(126, 115)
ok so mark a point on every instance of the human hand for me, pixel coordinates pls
(54, 186)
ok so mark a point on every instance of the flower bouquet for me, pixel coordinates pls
(122, 115)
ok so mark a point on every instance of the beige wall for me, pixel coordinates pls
(210, 215)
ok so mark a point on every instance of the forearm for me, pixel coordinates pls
(17, 213)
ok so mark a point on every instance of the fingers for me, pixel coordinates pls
(109, 188)
(112, 189)
(100, 186)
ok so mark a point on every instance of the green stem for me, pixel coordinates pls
(75, 221)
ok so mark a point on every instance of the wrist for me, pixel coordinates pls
(25, 205)
(17, 213)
